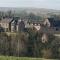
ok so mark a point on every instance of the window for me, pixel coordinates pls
(57, 29)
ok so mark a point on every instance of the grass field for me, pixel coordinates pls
(22, 58)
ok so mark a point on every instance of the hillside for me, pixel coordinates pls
(38, 11)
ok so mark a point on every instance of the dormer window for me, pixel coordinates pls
(57, 29)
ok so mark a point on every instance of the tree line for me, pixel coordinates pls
(29, 44)
(22, 15)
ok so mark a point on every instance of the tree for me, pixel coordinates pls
(32, 17)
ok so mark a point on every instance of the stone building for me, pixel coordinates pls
(52, 23)
(35, 24)
(5, 24)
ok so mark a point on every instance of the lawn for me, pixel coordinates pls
(22, 58)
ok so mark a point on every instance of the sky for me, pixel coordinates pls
(49, 4)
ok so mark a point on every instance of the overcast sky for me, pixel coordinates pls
(50, 4)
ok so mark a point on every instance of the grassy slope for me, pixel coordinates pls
(22, 58)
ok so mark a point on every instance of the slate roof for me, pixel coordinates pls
(36, 22)
(15, 19)
(6, 20)
(54, 23)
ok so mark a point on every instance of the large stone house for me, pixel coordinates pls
(15, 24)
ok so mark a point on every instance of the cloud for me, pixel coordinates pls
(54, 4)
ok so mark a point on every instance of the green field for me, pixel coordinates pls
(22, 58)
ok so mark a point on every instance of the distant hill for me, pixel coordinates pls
(37, 11)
